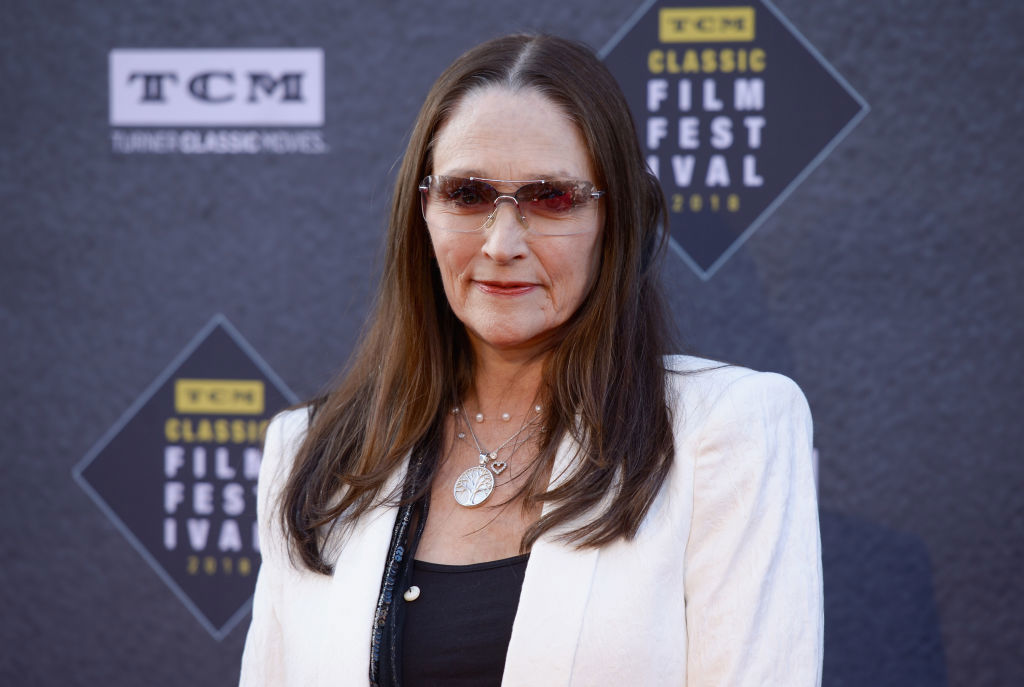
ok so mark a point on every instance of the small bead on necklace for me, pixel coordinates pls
(505, 417)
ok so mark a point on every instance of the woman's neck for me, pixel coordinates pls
(504, 383)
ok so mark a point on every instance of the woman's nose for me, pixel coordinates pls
(506, 233)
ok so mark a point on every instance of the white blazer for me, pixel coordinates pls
(721, 586)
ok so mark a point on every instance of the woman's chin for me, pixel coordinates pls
(506, 340)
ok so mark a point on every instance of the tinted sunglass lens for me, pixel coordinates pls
(466, 193)
(549, 198)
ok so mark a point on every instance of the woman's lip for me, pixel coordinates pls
(505, 288)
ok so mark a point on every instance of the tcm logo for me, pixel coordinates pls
(220, 396)
(706, 24)
(273, 87)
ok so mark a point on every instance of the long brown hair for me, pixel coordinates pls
(604, 378)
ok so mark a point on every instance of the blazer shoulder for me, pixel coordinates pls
(291, 424)
(696, 385)
(285, 434)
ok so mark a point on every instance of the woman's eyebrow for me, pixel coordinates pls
(530, 176)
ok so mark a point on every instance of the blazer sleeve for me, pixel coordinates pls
(753, 580)
(263, 656)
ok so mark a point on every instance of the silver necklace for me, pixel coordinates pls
(476, 484)
(505, 417)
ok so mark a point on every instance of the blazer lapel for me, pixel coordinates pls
(353, 594)
(551, 607)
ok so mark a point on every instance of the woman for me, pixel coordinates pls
(511, 484)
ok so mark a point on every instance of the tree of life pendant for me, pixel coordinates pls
(473, 486)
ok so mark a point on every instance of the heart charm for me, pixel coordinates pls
(498, 466)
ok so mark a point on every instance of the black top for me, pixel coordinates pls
(457, 632)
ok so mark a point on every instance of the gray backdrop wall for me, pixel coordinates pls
(888, 285)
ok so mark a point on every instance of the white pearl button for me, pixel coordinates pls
(412, 593)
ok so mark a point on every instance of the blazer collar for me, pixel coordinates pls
(547, 627)
(355, 587)
(551, 607)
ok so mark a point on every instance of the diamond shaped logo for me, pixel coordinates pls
(734, 108)
(177, 473)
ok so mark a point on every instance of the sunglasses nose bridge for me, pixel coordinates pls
(491, 218)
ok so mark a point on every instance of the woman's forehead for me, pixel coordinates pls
(501, 133)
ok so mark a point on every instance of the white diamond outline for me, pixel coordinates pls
(76, 472)
(865, 108)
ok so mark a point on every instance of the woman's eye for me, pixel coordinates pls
(467, 195)
(553, 200)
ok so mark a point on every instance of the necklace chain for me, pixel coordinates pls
(475, 484)
(493, 455)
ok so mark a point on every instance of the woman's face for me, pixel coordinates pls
(510, 287)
